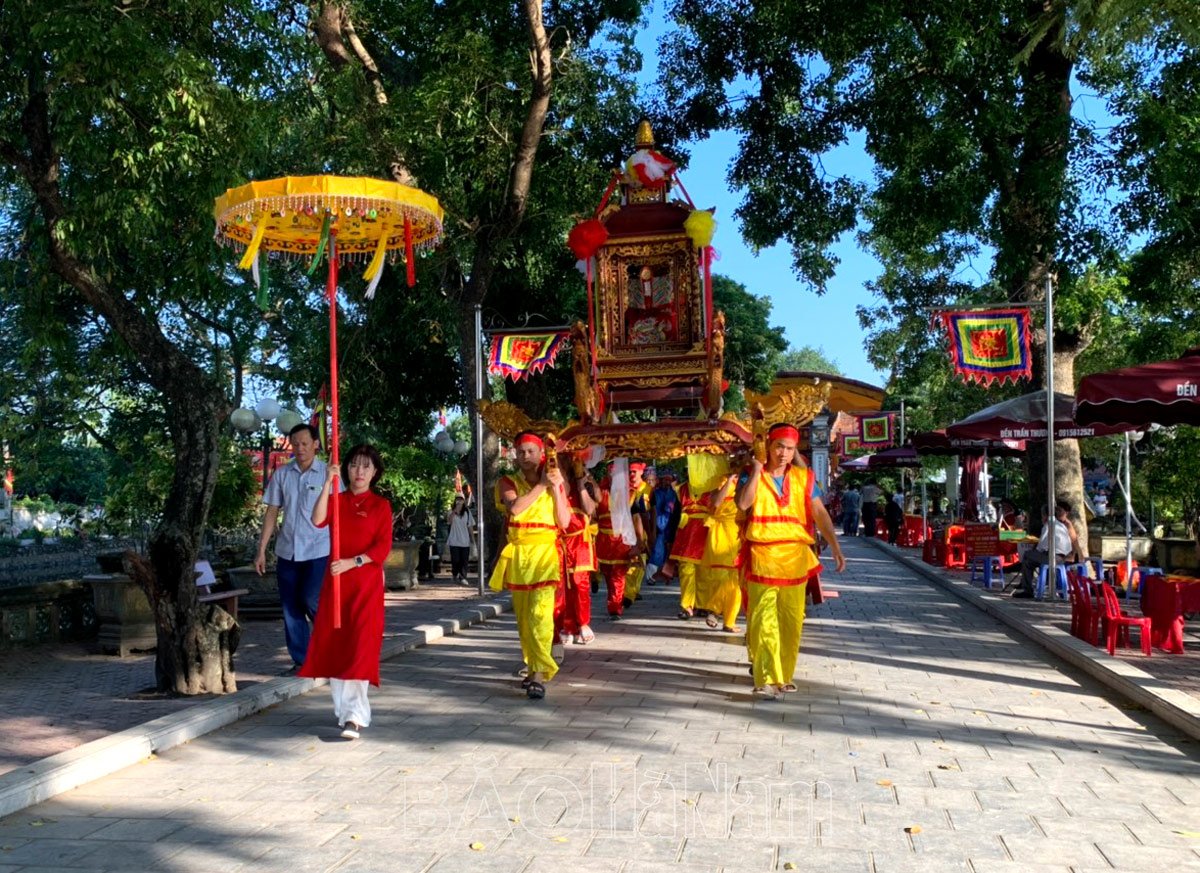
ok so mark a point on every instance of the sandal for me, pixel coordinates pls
(712, 621)
(525, 683)
(558, 653)
(729, 630)
(767, 692)
(585, 635)
(684, 615)
(535, 691)
(788, 688)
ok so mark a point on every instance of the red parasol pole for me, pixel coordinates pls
(335, 530)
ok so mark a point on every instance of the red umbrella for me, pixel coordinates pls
(1024, 418)
(1165, 392)
(935, 442)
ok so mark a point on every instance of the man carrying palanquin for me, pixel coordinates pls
(534, 501)
(779, 559)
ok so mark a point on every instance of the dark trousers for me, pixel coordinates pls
(869, 513)
(893, 531)
(459, 556)
(299, 591)
(850, 523)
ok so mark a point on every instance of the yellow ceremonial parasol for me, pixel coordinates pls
(338, 218)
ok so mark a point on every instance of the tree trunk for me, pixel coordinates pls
(195, 644)
(1029, 208)
(1068, 468)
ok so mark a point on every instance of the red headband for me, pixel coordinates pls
(783, 431)
(528, 437)
(637, 467)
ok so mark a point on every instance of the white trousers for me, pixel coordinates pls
(350, 701)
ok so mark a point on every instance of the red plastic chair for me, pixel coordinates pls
(1118, 623)
(1085, 613)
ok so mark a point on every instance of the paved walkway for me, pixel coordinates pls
(1178, 671)
(54, 698)
(925, 737)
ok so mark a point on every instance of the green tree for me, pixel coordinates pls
(752, 343)
(808, 359)
(966, 112)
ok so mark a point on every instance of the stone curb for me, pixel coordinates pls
(1171, 705)
(41, 780)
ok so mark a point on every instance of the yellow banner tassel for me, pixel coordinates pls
(255, 241)
(377, 259)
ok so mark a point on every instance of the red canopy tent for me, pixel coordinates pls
(1024, 418)
(935, 442)
(1165, 392)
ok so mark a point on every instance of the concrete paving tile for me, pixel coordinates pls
(1148, 857)
(128, 856)
(49, 852)
(45, 826)
(1040, 850)
(146, 830)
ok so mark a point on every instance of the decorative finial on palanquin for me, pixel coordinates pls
(645, 135)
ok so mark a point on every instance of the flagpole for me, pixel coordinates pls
(1052, 557)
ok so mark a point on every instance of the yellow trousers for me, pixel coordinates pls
(775, 625)
(633, 578)
(726, 597)
(534, 610)
(687, 585)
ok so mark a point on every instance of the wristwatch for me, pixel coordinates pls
(358, 560)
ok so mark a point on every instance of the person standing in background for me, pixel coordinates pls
(851, 506)
(870, 507)
(462, 526)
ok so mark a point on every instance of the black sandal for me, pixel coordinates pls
(535, 690)
(684, 615)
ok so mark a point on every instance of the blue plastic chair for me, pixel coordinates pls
(1060, 582)
(988, 569)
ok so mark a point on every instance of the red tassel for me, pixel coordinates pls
(410, 267)
(586, 238)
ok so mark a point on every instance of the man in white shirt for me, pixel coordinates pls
(1066, 547)
(302, 548)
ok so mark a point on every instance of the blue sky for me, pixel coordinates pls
(827, 322)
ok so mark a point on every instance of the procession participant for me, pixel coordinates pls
(639, 506)
(722, 545)
(779, 558)
(621, 538)
(705, 472)
(688, 549)
(663, 506)
(535, 504)
(579, 558)
(349, 655)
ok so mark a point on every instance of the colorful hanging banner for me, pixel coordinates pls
(877, 431)
(852, 446)
(518, 355)
(990, 346)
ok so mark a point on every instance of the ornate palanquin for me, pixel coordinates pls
(653, 339)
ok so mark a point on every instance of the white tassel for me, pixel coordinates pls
(618, 502)
(254, 270)
(374, 283)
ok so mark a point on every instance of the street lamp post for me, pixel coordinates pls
(818, 440)
(266, 410)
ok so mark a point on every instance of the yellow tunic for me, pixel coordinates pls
(530, 558)
(778, 530)
(780, 561)
(529, 566)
